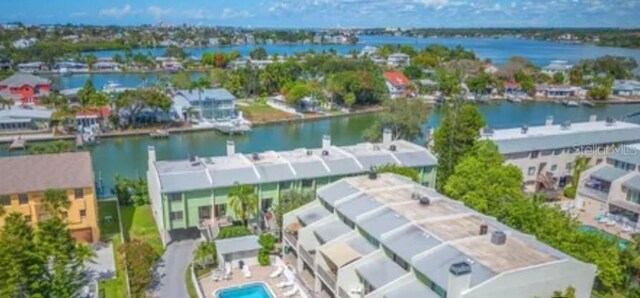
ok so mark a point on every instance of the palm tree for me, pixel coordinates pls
(5, 103)
(244, 202)
(199, 85)
(56, 201)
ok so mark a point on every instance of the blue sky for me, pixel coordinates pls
(330, 13)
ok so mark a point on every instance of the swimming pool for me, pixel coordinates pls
(254, 290)
(591, 229)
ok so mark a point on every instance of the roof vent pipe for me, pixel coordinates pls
(484, 229)
(498, 238)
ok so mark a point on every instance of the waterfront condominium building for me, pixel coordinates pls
(386, 236)
(26, 178)
(193, 193)
(613, 189)
(546, 154)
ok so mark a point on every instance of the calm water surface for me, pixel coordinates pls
(128, 155)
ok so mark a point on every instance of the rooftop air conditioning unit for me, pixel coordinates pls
(325, 153)
(392, 148)
(424, 201)
(255, 156)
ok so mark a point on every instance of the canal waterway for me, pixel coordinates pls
(128, 155)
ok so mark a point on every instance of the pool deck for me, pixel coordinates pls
(258, 274)
(587, 216)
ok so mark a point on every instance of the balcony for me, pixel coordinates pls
(291, 238)
(307, 257)
(329, 278)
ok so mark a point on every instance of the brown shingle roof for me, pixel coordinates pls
(40, 172)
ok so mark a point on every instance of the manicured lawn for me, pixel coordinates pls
(108, 228)
(263, 113)
(191, 289)
(138, 222)
(117, 287)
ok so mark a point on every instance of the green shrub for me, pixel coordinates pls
(139, 260)
(233, 232)
(570, 192)
(268, 242)
(263, 257)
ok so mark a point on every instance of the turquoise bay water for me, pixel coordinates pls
(128, 155)
(246, 291)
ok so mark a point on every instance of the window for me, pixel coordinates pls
(27, 218)
(176, 196)
(534, 154)
(633, 196)
(83, 214)
(285, 184)
(5, 200)
(204, 212)
(266, 204)
(23, 199)
(307, 182)
(531, 171)
(554, 168)
(221, 210)
(79, 193)
(557, 152)
(175, 215)
(569, 166)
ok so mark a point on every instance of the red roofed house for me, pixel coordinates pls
(398, 84)
(92, 117)
(25, 88)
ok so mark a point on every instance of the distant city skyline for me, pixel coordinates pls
(330, 13)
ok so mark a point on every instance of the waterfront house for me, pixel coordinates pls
(25, 88)
(387, 236)
(398, 60)
(558, 91)
(32, 67)
(513, 88)
(193, 194)
(626, 88)
(170, 64)
(24, 43)
(71, 67)
(216, 104)
(398, 84)
(239, 63)
(106, 66)
(546, 154)
(557, 66)
(28, 177)
(18, 119)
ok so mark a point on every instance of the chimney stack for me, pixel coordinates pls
(387, 136)
(549, 121)
(459, 279)
(593, 118)
(326, 141)
(231, 148)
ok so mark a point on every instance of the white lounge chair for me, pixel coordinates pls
(246, 272)
(291, 292)
(285, 284)
(278, 271)
(357, 289)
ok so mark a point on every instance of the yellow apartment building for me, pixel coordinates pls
(24, 179)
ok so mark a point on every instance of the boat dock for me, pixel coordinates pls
(159, 134)
(18, 144)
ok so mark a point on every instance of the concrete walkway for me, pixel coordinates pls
(171, 269)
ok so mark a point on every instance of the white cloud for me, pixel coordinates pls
(158, 12)
(229, 13)
(116, 12)
(434, 3)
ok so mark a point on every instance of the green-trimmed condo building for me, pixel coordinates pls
(193, 194)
